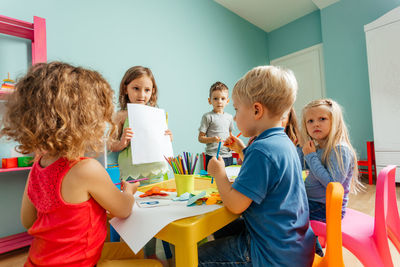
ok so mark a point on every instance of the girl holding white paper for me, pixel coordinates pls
(138, 86)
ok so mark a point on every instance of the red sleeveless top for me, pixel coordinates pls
(64, 234)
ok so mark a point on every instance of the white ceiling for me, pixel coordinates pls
(272, 14)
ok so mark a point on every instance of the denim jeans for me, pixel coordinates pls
(230, 248)
(228, 161)
(317, 211)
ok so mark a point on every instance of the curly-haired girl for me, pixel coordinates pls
(59, 112)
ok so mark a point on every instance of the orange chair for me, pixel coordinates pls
(334, 255)
(368, 166)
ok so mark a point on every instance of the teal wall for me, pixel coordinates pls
(340, 27)
(297, 35)
(188, 44)
(345, 57)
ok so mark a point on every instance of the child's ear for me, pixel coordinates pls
(209, 101)
(258, 110)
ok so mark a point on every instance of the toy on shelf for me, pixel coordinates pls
(7, 87)
(7, 163)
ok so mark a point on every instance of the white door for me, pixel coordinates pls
(307, 65)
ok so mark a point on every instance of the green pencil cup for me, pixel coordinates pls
(184, 183)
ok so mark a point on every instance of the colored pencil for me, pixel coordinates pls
(239, 135)
(219, 148)
(134, 181)
(183, 164)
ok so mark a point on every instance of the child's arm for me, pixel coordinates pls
(168, 132)
(95, 180)
(323, 174)
(126, 134)
(28, 210)
(205, 140)
(235, 144)
(301, 157)
(204, 125)
(235, 201)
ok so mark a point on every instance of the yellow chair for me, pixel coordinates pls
(118, 254)
(334, 255)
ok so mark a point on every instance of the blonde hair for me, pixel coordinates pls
(130, 75)
(273, 87)
(59, 110)
(338, 134)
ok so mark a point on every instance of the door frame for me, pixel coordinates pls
(315, 48)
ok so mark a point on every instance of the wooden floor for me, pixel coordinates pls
(363, 201)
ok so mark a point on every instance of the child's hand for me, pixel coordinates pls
(216, 168)
(309, 147)
(126, 137)
(215, 139)
(130, 188)
(234, 143)
(168, 132)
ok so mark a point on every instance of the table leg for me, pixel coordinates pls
(186, 255)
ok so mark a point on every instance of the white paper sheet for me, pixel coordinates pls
(145, 223)
(149, 142)
(232, 172)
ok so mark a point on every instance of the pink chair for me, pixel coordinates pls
(393, 218)
(364, 236)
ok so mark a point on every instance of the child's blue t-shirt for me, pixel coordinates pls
(278, 217)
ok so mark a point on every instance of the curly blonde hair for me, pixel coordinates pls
(59, 110)
(273, 87)
(130, 75)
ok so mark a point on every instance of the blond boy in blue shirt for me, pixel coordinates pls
(269, 190)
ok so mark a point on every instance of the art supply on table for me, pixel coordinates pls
(239, 135)
(204, 161)
(184, 183)
(153, 203)
(185, 164)
(232, 172)
(157, 191)
(134, 181)
(219, 148)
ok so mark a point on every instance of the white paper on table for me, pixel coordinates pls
(149, 142)
(232, 172)
(144, 223)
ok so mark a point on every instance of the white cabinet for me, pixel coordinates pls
(383, 52)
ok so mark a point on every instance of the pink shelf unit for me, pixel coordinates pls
(36, 32)
(15, 169)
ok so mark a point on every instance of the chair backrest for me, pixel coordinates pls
(393, 218)
(386, 175)
(334, 199)
(371, 151)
